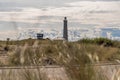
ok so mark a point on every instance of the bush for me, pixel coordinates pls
(103, 41)
(86, 40)
(99, 41)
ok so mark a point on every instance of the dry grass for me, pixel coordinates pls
(22, 74)
(63, 53)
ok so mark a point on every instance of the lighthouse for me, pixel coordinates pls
(65, 29)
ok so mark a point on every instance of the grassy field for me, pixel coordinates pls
(57, 52)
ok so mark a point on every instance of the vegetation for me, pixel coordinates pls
(81, 53)
(24, 74)
(99, 41)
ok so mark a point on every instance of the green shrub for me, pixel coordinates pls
(99, 41)
(103, 41)
(86, 40)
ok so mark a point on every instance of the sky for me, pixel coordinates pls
(16, 15)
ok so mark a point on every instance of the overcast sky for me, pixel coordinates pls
(48, 14)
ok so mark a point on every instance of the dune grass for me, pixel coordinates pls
(58, 52)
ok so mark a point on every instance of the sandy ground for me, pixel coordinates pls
(18, 73)
(111, 72)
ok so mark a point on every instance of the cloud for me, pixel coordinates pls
(6, 34)
(35, 3)
(82, 10)
(42, 3)
(85, 13)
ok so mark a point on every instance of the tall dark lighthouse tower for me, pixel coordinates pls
(65, 30)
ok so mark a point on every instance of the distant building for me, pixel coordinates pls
(39, 36)
(65, 30)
